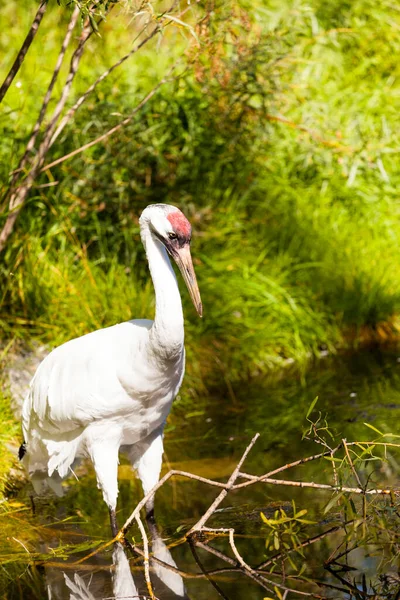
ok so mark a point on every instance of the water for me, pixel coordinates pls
(40, 551)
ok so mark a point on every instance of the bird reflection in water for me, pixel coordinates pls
(167, 583)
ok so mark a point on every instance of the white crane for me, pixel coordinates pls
(113, 388)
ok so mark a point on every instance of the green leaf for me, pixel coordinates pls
(332, 501)
(333, 459)
(311, 408)
(373, 428)
(277, 592)
(265, 519)
(276, 542)
(301, 513)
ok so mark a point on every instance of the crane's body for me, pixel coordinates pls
(113, 388)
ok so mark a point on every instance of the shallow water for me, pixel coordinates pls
(40, 551)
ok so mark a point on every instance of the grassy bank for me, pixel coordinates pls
(10, 438)
(280, 147)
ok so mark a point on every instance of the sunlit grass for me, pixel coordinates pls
(281, 149)
(9, 441)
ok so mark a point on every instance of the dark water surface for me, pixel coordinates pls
(40, 551)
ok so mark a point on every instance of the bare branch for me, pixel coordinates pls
(198, 532)
(222, 495)
(230, 561)
(24, 49)
(358, 480)
(35, 132)
(249, 569)
(140, 505)
(238, 556)
(76, 57)
(254, 573)
(18, 195)
(296, 463)
(69, 115)
(146, 556)
(311, 484)
(206, 574)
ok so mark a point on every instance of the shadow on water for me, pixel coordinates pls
(40, 552)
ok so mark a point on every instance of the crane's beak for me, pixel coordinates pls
(183, 259)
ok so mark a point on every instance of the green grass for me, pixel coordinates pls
(10, 439)
(281, 148)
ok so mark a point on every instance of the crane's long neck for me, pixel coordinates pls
(167, 332)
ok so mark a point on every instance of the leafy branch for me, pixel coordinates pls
(284, 531)
(32, 161)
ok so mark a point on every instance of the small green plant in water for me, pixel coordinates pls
(359, 519)
(285, 531)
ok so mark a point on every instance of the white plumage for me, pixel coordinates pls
(113, 388)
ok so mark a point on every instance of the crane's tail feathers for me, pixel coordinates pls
(62, 455)
(49, 461)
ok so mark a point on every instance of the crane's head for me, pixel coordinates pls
(170, 226)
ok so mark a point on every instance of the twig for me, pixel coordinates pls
(206, 574)
(186, 574)
(222, 495)
(146, 556)
(24, 49)
(230, 561)
(360, 444)
(334, 469)
(351, 463)
(86, 33)
(69, 115)
(35, 132)
(311, 484)
(296, 463)
(249, 570)
(349, 584)
(140, 505)
(238, 556)
(18, 196)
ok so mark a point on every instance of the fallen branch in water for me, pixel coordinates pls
(252, 479)
(200, 536)
(146, 556)
(207, 574)
(229, 486)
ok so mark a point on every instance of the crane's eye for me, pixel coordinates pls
(172, 236)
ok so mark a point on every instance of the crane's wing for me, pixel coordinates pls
(83, 380)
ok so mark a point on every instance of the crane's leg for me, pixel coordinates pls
(104, 455)
(148, 467)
